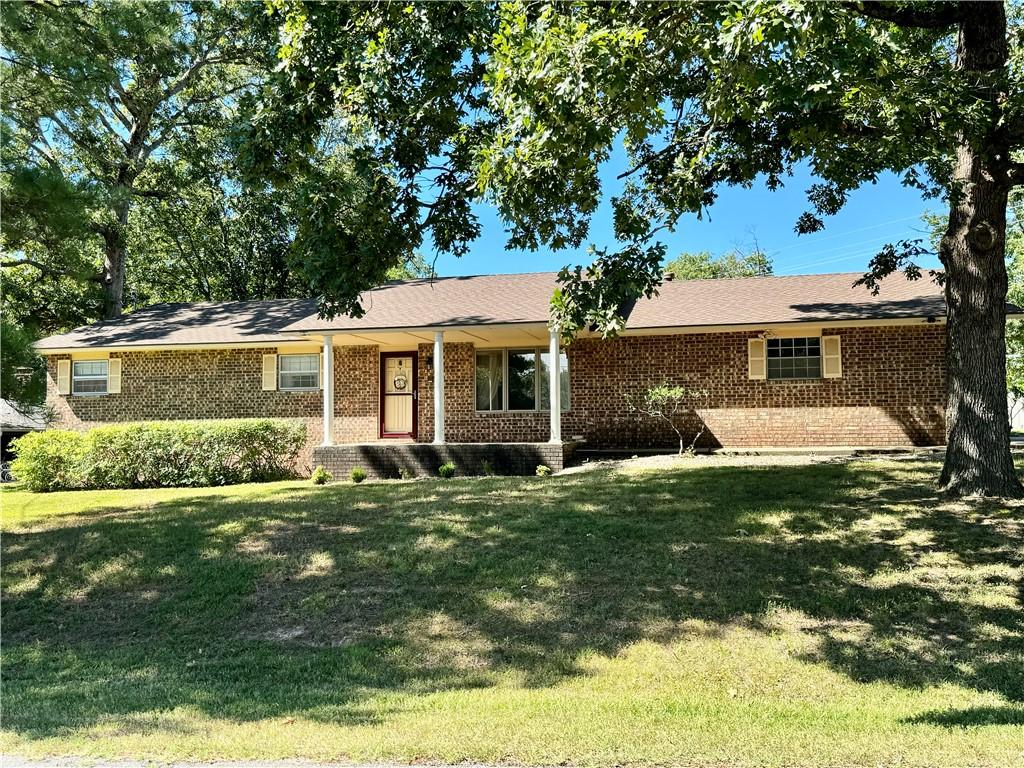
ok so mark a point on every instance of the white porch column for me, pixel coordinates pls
(439, 388)
(555, 385)
(328, 389)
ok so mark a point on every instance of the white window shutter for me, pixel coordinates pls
(757, 367)
(269, 372)
(114, 376)
(64, 377)
(831, 357)
(320, 377)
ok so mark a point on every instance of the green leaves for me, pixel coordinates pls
(101, 102)
(596, 296)
(704, 266)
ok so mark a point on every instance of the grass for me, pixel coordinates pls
(834, 614)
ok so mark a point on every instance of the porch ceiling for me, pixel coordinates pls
(481, 336)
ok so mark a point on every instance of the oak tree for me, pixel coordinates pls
(97, 99)
(522, 103)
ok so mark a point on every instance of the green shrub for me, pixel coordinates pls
(446, 470)
(487, 468)
(543, 470)
(321, 476)
(157, 454)
(358, 474)
(50, 461)
(406, 474)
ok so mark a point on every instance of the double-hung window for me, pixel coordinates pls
(798, 358)
(89, 377)
(518, 380)
(299, 372)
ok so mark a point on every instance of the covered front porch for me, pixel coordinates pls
(417, 385)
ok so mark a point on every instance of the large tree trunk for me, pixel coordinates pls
(113, 274)
(973, 251)
(115, 249)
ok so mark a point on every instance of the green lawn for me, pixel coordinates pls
(835, 614)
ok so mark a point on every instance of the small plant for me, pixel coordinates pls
(446, 470)
(357, 475)
(543, 470)
(487, 468)
(406, 474)
(321, 476)
(671, 405)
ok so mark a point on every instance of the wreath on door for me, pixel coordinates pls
(400, 382)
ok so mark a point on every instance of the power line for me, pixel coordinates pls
(835, 235)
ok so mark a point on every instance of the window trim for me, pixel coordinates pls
(105, 378)
(537, 352)
(794, 379)
(281, 372)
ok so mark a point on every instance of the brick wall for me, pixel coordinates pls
(225, 384)
(892, 393)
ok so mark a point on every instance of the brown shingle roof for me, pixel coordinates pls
(229, 322)
(511, 299)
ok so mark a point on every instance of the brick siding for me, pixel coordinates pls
(892, 393)
(224, 384)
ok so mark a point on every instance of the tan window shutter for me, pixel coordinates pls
(270, 372)
(831, 357)
(114, 376)
(64, 377)
(756, 365)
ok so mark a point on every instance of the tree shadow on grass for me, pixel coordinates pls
(314, 600)
(972, 717)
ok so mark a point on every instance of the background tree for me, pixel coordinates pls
(1015, 293)
(521, 104)
(415, 267)
(95, 95)
(703, 266)
(405, 85)
(22, 372)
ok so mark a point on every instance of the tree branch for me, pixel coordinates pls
(178, 85)
(50, 159)
(158, 194)
(45, 269)
(122, 118)
(27, 263)
(111, 129)
(930, 16)
(78, 142)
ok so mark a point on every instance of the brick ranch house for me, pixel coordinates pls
(461, 368)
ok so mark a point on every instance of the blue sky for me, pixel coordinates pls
(875, 215)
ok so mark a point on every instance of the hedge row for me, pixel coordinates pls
(156, 454)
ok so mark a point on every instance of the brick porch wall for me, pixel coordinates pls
(892, 393)
(389, 460)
